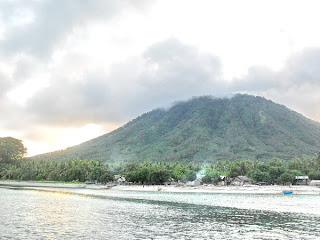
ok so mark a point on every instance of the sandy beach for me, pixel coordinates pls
(253, 189)
(39, 184)
(248, 189)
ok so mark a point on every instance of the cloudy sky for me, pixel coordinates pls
(71, 70)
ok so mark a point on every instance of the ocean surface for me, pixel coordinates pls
(39, 213)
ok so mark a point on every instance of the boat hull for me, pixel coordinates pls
(287, 192)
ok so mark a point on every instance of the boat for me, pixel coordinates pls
(287, 192)
(81, 186)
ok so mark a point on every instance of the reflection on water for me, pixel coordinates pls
(85, 214)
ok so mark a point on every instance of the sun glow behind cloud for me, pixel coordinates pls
(56, 139)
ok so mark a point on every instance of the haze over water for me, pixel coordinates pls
(108, 214)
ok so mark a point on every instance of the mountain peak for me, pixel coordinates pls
(206, 129)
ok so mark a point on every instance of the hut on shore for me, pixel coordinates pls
(170, 181)
(241, 180)
(302, 180)
(119, 179)
(224, 181)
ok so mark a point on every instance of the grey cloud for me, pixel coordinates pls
(25, 68)
(169, 71)
(54, 21)
(169, 51)
(299, 70)
(70, 103)
(177, 71)
(258, 78)
(27, 47)
(303, 67)
(22, 69)
(4, 84)
(296, 85)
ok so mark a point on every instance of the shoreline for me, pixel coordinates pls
(39, 184)
(246, 189)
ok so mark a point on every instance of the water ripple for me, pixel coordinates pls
(82, 214)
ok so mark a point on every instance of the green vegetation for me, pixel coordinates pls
(65, 171)
(92, 170)
(205, 130)
(158, 173)
(272, 171)
(11, 149)
(13, 166)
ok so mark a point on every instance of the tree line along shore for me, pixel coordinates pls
(13, 166)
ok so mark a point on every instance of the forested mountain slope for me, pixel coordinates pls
(206, 129)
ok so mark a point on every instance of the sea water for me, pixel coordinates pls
(38, 213)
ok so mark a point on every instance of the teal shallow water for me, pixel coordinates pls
(107, 214)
